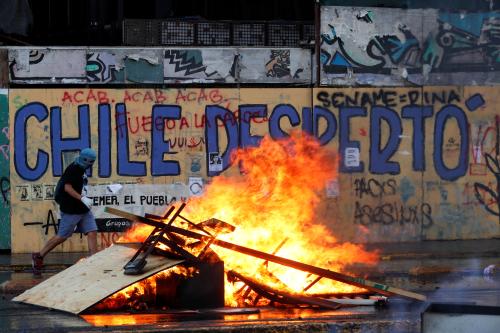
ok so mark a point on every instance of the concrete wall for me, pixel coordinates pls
(401, 47)
(413, 160)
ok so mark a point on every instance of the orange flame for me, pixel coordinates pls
(138, 295)
(276, 197)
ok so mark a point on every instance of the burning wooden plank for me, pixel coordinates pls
(91, 280)
(266, 265)
(325, 273)
(282, 296)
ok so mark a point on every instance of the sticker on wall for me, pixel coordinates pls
(351, 157)
(195, 164)
(23, 192)
(477, 155)
(214, 162)
(332, 188)
(49, 191)
(37, 192)
(141, 147)
(195, 186)
(114, 188)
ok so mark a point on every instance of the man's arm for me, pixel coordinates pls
(71, 191)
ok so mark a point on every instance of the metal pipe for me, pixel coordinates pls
(317, 48)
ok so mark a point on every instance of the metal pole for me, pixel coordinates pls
(317, 30)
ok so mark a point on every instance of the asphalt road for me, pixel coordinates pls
(398, 316)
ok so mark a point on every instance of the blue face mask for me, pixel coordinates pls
(87, 158)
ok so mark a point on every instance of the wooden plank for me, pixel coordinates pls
(355, 281)
(91, 280)
(282, 296)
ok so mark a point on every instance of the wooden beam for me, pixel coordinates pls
(312, 283)
(282, 296)
(355, 281)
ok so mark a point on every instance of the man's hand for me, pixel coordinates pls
(86, 201)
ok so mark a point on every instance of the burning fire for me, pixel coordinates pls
(273, 202)
(138, 295)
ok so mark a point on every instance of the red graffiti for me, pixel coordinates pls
(85, 96)
(144, 123)
(195, 142)
(149, 96)
(479, 146)
(211, 96)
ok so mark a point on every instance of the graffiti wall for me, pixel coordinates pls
(161, 145)
(4, 172)
(391, 46)
(29, 65)
(415, 163)
(418, 163)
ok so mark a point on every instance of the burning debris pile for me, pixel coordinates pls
(271, 206)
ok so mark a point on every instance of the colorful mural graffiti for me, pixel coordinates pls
(411, 159)
(4, 172)
(408, 46)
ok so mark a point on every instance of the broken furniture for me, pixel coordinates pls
(94, 279)
(208, 240)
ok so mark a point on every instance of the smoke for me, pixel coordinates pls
(473, 281)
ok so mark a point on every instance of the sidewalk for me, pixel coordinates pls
(55, 261)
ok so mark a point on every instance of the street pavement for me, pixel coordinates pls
(445, 271)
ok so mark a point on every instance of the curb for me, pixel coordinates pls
(11, 289)
(314, 326)
(429, 255)
(27, 268)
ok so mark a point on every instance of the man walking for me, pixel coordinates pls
(74, 207)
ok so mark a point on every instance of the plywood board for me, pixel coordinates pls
(92, 279)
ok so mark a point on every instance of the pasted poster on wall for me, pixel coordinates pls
(135, 198)
(413, 162)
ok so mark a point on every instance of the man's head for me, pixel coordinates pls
(86, 158)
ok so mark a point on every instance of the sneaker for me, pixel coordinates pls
(37, 263)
